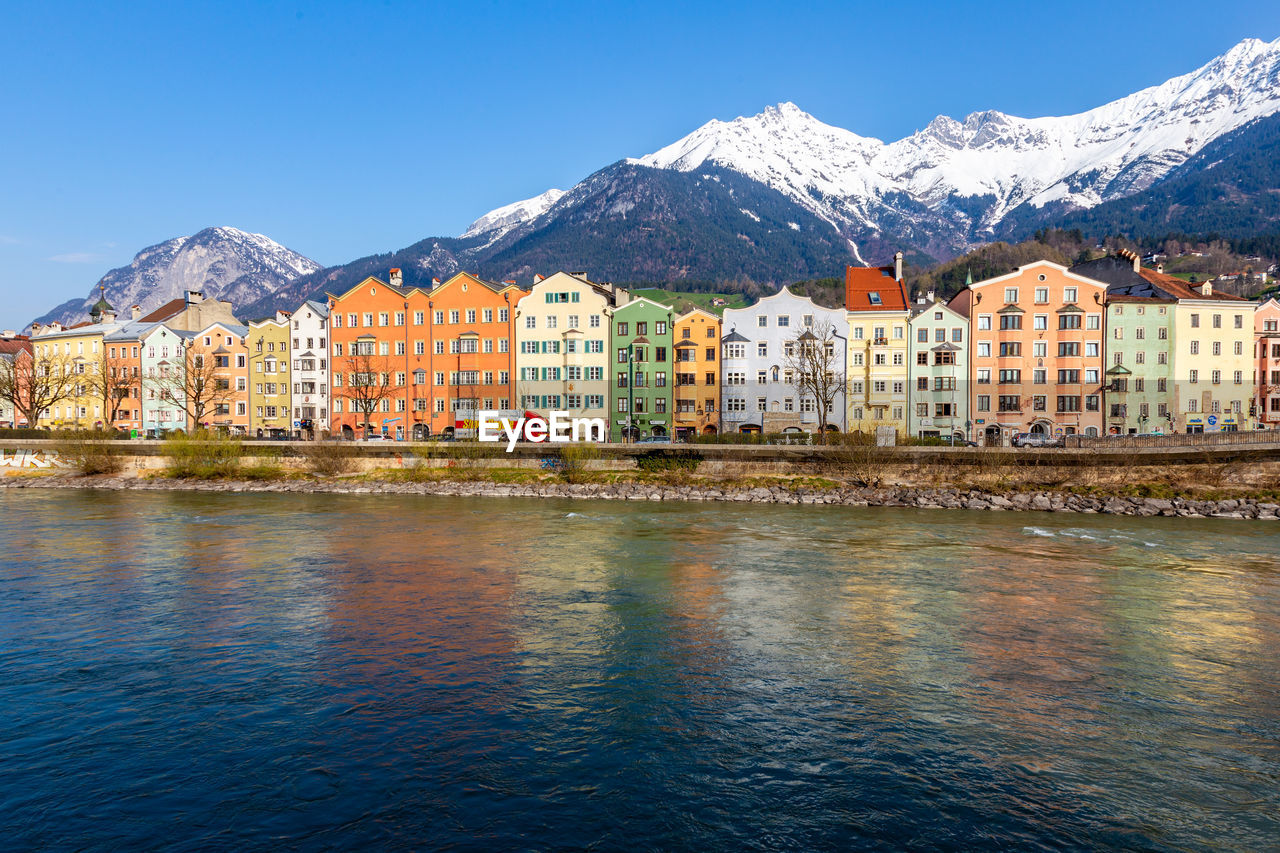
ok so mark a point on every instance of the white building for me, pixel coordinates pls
(760, 392)
(309, 328)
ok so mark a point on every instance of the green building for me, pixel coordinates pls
(641, 391)
(1139, 375)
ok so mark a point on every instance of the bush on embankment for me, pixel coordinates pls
(202, 456)
(91, 453)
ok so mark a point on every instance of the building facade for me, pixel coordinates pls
(938, 373)
(1139, 372)
(878, 348)
(1036, 342)
(469, 357)
(221, 365)
(309, 370)
(1266, 334)
(759, 388)
(695, 352)
(641, 399)
(269, 379)
(380, 370)
(165, 401)
(562, 346)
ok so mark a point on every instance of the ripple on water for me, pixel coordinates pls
(258, 671)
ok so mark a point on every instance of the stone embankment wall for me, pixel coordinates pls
(1244, 508)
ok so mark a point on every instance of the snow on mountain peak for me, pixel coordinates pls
(1084, 159)
(499, 221)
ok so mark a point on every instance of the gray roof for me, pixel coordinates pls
(733, 338)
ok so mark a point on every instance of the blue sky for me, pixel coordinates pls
(343, 129)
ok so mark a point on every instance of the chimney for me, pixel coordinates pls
(897, 266)
(195, 297)
(435, 282)
(135, 312)
(108, 317)
(933, 297)
(397, 277)
(1206, 289)
(1160, 268)
(35, 329)
(537, 277)
(282, 316)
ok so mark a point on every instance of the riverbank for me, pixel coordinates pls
(810, 491)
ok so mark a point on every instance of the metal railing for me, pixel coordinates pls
(1198, 439)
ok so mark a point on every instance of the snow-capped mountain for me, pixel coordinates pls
(781, 196)
(224, 263)
(499, 221)
(975, 172)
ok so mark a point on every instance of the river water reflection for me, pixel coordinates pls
(196, 671)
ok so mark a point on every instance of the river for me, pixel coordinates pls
(217, 671)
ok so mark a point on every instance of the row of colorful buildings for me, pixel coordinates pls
(1108, 346)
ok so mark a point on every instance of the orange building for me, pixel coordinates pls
(1266, 334)
(697, 372)
(226, 345)
(1036, 353)
(469, 362)
(380, 343)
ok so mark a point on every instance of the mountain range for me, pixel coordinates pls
(223, 263)
(781, 196)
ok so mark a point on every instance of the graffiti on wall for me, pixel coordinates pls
(31, 459)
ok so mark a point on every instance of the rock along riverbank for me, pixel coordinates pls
(920, 498)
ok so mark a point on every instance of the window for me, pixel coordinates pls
(1010, 377)
(1042, 295)
(1217, 321)
(922, 358)
(1195, 321)
(1195, 347)
(784, 320)
(1010, 321)
(984, 322)
(984, 349)
(984, 403)
(984, 376)
(1069, 294)
(1010, 349)
(1068, 377)
(1070, 321)
(1040, 322)
(1069, 349)
(1193, 376)
(1068, 404)
(1239, 321)
(1011, 295)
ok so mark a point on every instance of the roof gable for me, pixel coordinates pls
(873, 289)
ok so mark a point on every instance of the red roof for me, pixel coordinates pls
(12, 346)
(1184, 290)
(166, 311)
(873, 289)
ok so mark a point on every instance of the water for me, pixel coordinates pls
(196, 672)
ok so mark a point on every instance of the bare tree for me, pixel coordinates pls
(195, 383)
(815, 361)
(113, 379)
(367, 383)
(33, 382)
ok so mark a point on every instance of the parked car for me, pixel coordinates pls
(377, 437)
(654, 439)
(1035, 439)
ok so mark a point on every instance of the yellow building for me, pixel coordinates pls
(269, 377)
(1213, 368)
(78, 349)
(697, 374)
(876, 365)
